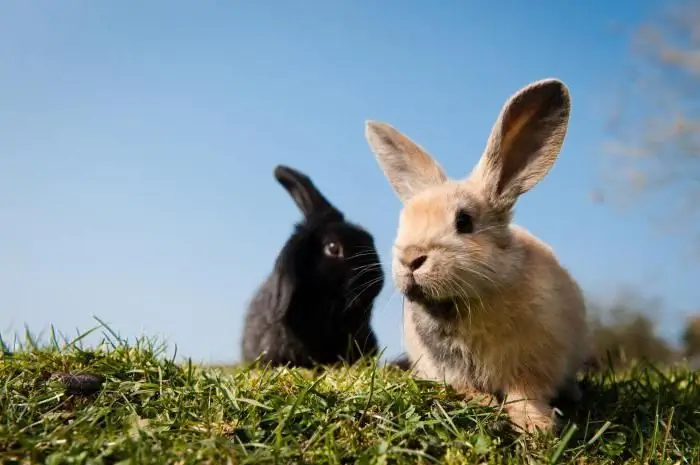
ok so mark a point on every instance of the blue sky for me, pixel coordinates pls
(137, 142)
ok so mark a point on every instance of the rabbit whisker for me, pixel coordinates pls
(469, 293)
(368, 266)
(485, 276)
(461, 294)
(353, 299)
(367, 253)
(474, 290)
(393, 294)
(484, 266)
(362, 270)
(360, 292)
(488, 228)
(364, 287)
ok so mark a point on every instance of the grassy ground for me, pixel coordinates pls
(151, 410)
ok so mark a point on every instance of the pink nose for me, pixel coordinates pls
(414, 260)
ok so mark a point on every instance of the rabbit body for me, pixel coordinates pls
(302, 337)
(488, 308)
(515, 341)
(315, 307)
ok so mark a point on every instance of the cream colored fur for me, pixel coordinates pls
(520, 325)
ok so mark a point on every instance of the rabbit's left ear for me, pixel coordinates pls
(305, 194)
(525, 142)
(409, 168)
(285, 289)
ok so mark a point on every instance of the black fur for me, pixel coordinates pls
(402, 362)
(314, 309)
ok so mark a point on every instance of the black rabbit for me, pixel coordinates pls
(316, 305)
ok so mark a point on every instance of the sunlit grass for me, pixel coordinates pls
(151, 409)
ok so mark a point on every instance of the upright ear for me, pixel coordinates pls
(525, 142)
(305, 195)
(406, 165)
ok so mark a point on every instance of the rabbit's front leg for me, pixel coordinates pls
(529, 410)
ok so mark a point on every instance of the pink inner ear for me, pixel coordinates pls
(527, 128)
(406, 165)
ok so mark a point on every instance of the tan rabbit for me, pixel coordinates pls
(487, 308)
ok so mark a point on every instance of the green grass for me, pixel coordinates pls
(152, 410)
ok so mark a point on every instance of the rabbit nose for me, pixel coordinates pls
(417, 262)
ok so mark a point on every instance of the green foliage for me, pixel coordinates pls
(624, 332)
(153, 410)
(628, 340)
(691, 337)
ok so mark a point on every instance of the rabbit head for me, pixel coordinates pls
(327, 254)
(454, 239)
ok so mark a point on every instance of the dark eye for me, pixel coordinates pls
(333, 249)
(463, 222)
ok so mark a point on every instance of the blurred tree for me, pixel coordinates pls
(656, 124)
(624, 331)
(691, 337)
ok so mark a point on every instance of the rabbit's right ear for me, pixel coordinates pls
(305, 194)
(406, 165)
(525, 142)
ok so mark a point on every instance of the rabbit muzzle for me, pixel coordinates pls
(412, 268)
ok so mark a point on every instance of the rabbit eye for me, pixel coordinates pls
(333, 249)
(463, 222)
